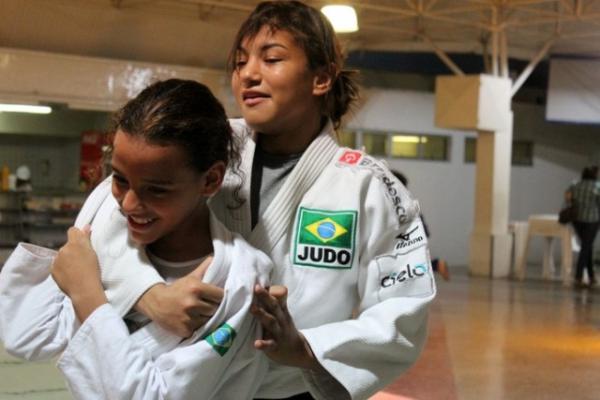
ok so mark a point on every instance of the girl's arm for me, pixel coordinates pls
(36, 318)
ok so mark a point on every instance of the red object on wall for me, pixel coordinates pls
(90, 166)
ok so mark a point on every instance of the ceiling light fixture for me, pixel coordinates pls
(25, 108)
(343, 18)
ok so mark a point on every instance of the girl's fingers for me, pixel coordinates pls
(265, 344)
(72, 234)
(87, 229)
(268, 321)
(280, 293)
(264, 299)
(203, 308)
(210, 293)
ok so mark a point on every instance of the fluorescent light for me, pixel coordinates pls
(343, 18)
(25, 108)
(409, 139)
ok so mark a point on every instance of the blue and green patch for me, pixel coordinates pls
(221, 339)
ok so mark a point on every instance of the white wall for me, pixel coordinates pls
(446, 189)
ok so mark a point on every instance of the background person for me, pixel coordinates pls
(585, 197)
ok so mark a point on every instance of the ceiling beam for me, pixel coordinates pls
(517, 3)
(457, 21)
(221, 4)
(443, 56)
(567, 5)
(386, 9)
(532, 64)
(458, 10)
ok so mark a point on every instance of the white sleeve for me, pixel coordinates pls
(36, 318)
(103, 361)
(396, 286)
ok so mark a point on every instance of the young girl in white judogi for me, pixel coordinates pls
(172, 145)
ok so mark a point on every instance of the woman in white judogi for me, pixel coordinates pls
(348, 247)
(171, 148)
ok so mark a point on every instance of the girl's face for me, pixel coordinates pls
(162, 197)
(277, 92)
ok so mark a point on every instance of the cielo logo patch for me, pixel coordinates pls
(325, 239)
(406, 273)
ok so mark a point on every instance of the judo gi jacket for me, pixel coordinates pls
(100, 359)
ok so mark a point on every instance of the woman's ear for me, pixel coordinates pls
(213, 179)
(323, 80)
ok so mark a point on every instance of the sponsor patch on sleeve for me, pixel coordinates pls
(410, 238)
(405, 276)
(350, 157)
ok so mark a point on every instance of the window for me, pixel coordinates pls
(405, 146)
(384, 144)
(375, 143)
(434, 147)
(522, 152)
(347, 139)
(425, 147)
(470, 150)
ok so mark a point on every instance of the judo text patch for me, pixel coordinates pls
(221, 339)
(324, 239)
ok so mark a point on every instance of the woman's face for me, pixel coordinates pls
(158, 192)
(273, 84)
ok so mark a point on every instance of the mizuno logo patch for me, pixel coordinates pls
(324, 239)
(406, 236)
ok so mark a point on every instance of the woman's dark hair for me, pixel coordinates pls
(184, 113)
(313, 32)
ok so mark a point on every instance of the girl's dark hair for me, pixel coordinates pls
(313, 32)
(184, 113)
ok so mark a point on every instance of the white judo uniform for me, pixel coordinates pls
(100, 359)
(345, 237)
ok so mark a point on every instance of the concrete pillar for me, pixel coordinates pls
(482, 103)
(491, 244)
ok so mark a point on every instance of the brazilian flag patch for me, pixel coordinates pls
(221, 338)
(325, 239)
